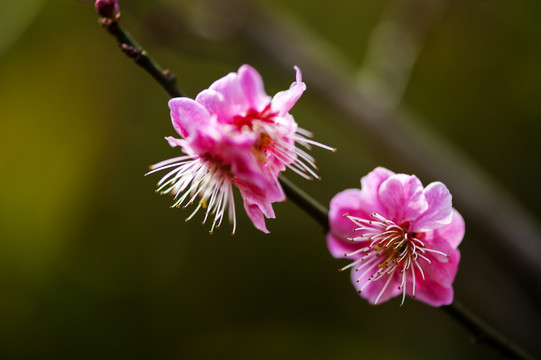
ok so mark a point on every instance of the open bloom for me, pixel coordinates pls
(403, 238)
(235, 135)
(241, 108)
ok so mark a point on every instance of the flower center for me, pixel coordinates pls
(390, 249)
(265, 115)
(275, 145)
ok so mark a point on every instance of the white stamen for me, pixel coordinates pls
(193, 213)
(403, 287)
(194, 177)
(161, 164)
(304, 141)
(304, 132)
(392, 248)
(369, 265)
(383, 290)
(413, 280)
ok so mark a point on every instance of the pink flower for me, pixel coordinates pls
(241, 107)
(403, 238)
(235, 135)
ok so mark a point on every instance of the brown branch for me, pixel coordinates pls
(134, 51)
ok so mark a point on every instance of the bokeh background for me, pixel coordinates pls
(94, 264)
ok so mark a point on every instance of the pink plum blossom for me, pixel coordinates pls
(242, 108)
(235, 135)
(402, 238)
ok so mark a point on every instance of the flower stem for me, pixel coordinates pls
(317, 211)
(482, 331)
(133, 50)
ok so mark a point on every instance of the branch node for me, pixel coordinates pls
(131, 51)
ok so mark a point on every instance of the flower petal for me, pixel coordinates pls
(440, 210)
(283, 101)
(453, 233)
(256, 215)
(432, 293)
(175, 142)
(372, 181)
(348, 201)
(187, 115)
(251, 84)
(258, 202)
(442, 272)
(229, 87)
(215, 104)
(403, 197)
(370, 185)
(237, 153)
(338, 246)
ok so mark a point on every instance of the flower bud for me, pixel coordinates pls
(108, 9)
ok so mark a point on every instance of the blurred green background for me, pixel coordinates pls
(94, 264)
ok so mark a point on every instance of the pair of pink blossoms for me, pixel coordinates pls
(402, 237)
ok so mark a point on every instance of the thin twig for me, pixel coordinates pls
(304, 201)
(482, 332)
(133, 50)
